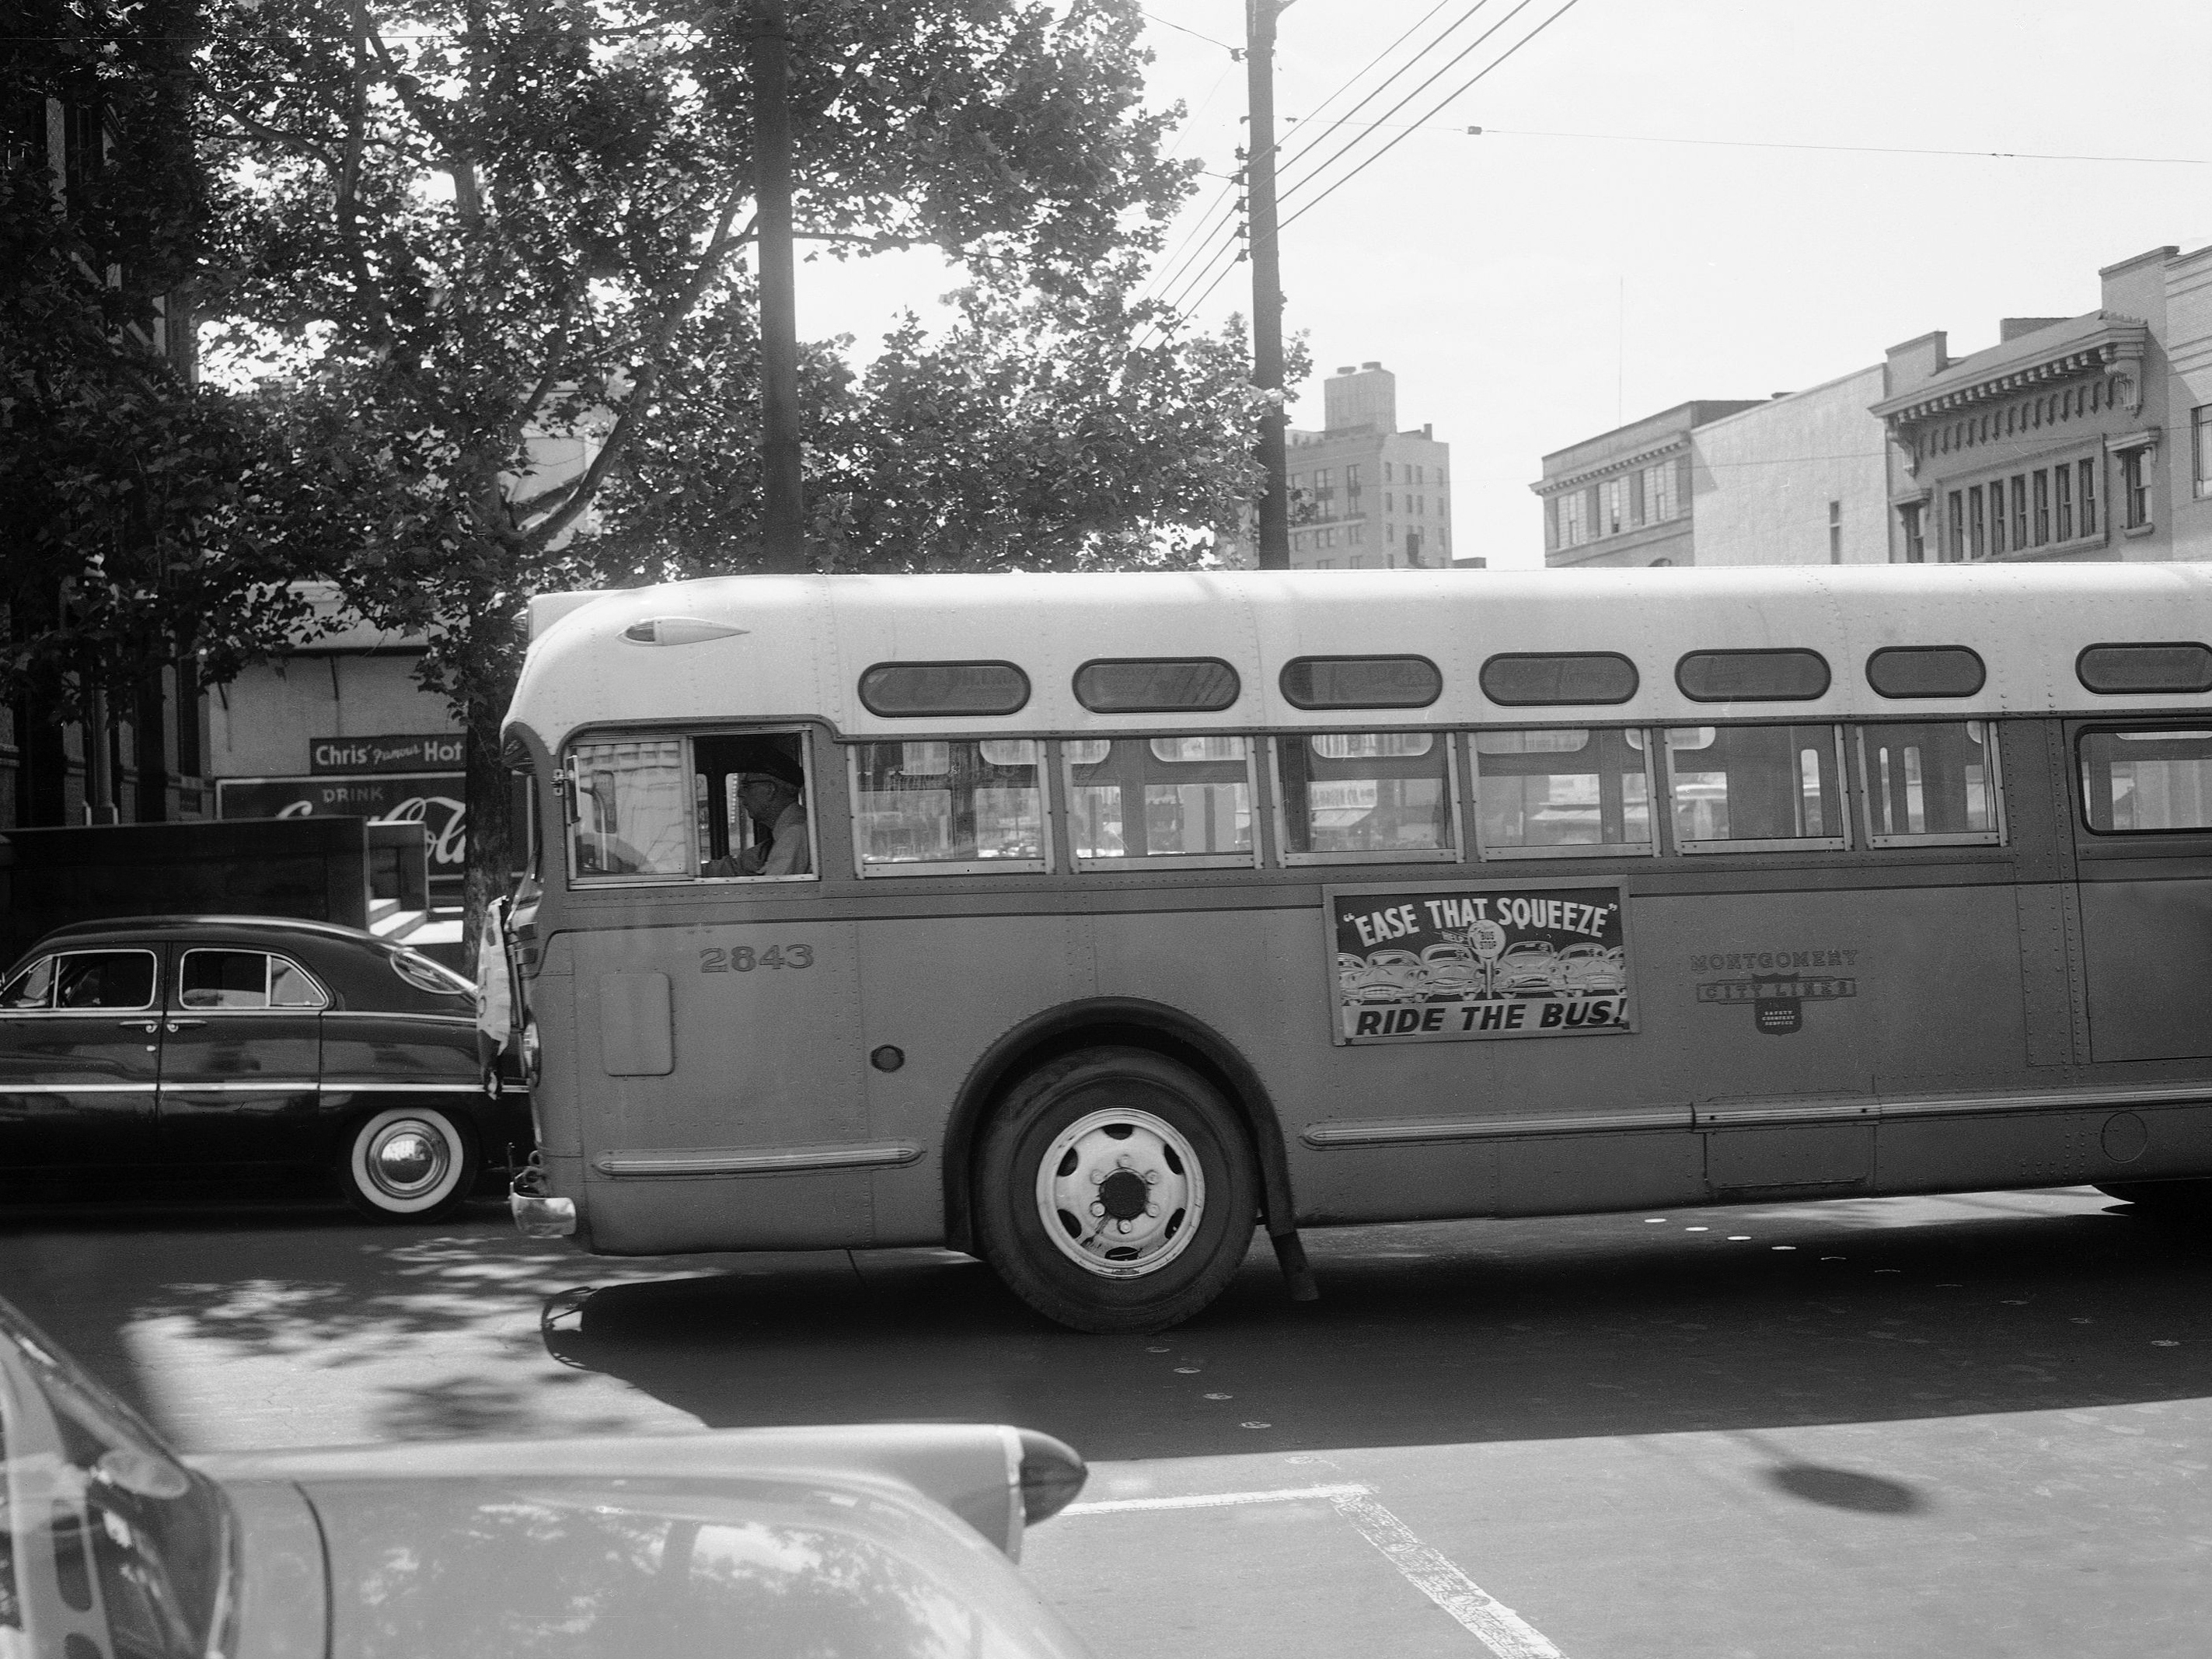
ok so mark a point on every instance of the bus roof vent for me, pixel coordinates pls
(679, 630)
(1926, 671)
(1360, 683)
(2119, 670)
(1156, 686)
(1528, 678)
(1761, 676)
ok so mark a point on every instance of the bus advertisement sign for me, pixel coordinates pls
(1472, 961)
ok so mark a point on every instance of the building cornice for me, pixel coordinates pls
(2117, 348)
(1630, 462)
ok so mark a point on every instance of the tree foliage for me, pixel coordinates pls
(131, 504)
(454, 224)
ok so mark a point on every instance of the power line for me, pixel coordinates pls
(1236, 53)
(1203, 241)
(1343, 150)
(1450, 29)
(1847, 150)
(1456, 92)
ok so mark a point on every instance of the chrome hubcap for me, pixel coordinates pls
(408, 1159)
(1121, 1193)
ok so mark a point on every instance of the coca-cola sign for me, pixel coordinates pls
(436, 800)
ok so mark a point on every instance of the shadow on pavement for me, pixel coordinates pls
(1427, 1334)
(1480, 1331)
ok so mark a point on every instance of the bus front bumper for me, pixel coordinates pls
(537, 1214)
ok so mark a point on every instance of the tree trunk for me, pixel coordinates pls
(491, 818)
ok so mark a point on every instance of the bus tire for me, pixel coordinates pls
(408, 1164)
(1115, 1191)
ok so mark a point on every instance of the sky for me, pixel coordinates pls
(1530, 291)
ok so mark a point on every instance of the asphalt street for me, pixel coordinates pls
(1959, 1426)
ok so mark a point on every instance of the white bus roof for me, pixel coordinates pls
(784, 647)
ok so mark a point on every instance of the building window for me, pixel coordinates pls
(1351, 488)
(2042, 508)
(2135, 491)
(1613, 510)
(1386, 472)
(1420, 475)
(1957, 548)
(1389, 502)
(1978, 545)
(1835, 532)
(1573, 525)
(2086, 475)
(2061, 484)
(1916, 546)
(2019, 512)
(1356, 534)
(1324, 491)
(1996, 517)
(2200, 426)
(1659, 492)
(1390, 533)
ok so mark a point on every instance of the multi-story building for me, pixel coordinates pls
(1624, 497)
(2084, 437)
(1365, 495)
(2073, 438)
(1801, 478)
(137, 758)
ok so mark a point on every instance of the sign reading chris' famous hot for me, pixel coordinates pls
(423, 751)
(1470, 960)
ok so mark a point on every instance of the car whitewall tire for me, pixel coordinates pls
(410, 1163)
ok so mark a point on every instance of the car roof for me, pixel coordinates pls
(127, 926)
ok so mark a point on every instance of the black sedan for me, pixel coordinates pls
(203, 1048)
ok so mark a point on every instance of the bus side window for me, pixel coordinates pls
(1137, 797)
(752, 798)
(1545, 790)
(949, 803)
(1740, 786)
(1929, 781)
(2133, 782)
(1365, 792)
(633, 808)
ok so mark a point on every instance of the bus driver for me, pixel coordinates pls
(770, 794)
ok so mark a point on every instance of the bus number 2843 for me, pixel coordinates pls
(743, 959)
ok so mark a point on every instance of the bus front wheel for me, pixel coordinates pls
(1115, 1191)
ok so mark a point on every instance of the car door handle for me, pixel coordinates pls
(176, 1025)
(148, 1026)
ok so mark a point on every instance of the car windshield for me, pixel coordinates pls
(108, 1545)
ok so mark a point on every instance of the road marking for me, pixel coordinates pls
(1215, 1500)
(1485, 1618)
(1482, 1615)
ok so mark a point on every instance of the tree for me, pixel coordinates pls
(1027, 434)
(461, 220)
(131, 501)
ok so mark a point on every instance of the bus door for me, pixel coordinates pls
(2143, 844)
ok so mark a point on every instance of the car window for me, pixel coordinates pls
(223, 979)
(105, 979)
(291, 985)
(32, 988)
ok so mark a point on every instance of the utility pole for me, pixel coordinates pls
(1260, 17)
(783, 510)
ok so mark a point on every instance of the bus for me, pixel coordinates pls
(1082, 923)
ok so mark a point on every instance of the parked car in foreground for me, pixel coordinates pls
(868, 1543)
(189, 1048)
